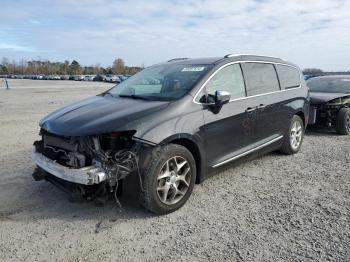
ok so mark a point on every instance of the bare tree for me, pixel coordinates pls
(118, 66)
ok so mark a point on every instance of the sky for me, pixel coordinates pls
(307, 32)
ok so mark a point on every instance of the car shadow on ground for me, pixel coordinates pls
(43, 200)
(321, 131)
(26, 199)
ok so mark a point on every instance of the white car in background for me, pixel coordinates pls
(89, 78)
(78, 78)
(112, 79)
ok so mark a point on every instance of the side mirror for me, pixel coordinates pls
(222, 97)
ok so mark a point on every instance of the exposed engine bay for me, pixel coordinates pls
(325, 114)
(90, 166)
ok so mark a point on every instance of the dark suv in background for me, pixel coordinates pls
(173, 124)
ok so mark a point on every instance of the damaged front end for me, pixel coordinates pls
(90, 166)
(325, 114)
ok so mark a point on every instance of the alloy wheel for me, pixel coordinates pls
(296, 134)
(347, 123)
(173, 180)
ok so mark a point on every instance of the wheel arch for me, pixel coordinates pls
(302, 116)
(191, 145)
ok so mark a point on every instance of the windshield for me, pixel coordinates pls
(163, 82)
(330, 84)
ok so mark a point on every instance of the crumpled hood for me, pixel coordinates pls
(322, 98)
(98, 115)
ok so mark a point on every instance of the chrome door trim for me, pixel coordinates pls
(246, 97)
(248, 152)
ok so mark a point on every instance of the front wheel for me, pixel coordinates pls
(294, 138)
(169, 179)
(343, 121)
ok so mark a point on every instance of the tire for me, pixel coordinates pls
(161, 178)
(292, 146)
(342, 124)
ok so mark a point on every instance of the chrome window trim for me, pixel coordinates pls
(248, 151)
(246, 97)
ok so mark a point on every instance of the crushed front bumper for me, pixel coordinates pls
(89, 175)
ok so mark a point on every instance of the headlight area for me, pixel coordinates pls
(88, 167)
(326, 114)
(341, 101)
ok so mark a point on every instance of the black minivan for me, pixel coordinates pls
(171, 126)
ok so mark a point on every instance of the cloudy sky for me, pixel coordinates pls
(308, 32)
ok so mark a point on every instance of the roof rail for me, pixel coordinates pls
(233, 55)
(178, 59)
(263, 56)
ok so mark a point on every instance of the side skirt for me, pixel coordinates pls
(248, 151)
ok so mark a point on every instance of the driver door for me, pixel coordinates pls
(228, 131)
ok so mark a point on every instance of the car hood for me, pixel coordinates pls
(322, 98)
(98, 115)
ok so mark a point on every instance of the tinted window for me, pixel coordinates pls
(289, 76)
(260, 78)
(228, 79)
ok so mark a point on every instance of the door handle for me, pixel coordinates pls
(261, 106)
(250, 109)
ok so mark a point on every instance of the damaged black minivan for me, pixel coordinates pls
(172, 125)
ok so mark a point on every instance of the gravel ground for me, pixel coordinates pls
(277, 207)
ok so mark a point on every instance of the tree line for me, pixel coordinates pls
(36, 67)
(46, 67)
(319, 72)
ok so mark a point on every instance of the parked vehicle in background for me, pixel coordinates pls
(64, 77)
(121, 78)
(172, 125)
(89, 78)
(112, 79)
(78, 77)
(100, 77)
(56, 77)
(330, 102)
(307, 77)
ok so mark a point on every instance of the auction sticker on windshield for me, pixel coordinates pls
(193, 69)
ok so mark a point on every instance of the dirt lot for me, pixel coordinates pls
(276, 207)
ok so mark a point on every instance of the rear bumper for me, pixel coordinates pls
(89, 175)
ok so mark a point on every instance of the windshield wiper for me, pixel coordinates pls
(107, 93)
(136, 97)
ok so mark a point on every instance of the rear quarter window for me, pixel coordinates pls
(289, 76)
(260, 78)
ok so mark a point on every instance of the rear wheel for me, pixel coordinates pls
(342, 125)
(294, 138)
(169, 179)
